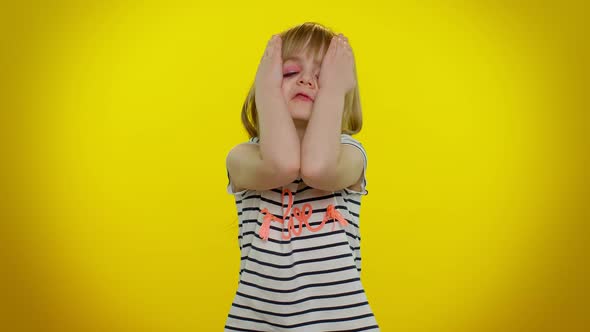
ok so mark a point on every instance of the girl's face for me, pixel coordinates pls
(300, 76)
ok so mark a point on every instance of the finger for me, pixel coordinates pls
(338, 41)
(278, 48)
(279, 43)
(268, 47)
(272, 46)
(273, 42)
(342, 41)
(328, 53)
(348, 48)
(332, 47)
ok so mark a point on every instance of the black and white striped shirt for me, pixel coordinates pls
(300, 259)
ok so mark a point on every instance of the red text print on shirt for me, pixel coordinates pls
(301, 215)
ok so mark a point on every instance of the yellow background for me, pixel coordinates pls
(117, 116)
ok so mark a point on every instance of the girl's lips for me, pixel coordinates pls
(302, 98)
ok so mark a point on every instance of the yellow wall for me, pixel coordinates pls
(117, 118)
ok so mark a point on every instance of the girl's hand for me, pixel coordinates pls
(269, 76)
(337, 71)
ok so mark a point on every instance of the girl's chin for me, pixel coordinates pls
(300, 108)
(300, 114)
(299, 118)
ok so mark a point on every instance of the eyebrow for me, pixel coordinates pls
(298, 58)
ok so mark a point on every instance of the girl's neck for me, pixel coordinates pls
(300, 127)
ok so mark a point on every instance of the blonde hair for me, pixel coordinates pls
(294, 40)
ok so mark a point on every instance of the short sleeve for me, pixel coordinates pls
(347, 139)
(229, 189)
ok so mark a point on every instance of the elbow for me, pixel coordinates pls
(291, 177)
(313, 170)
(289, 170)
(312, 175)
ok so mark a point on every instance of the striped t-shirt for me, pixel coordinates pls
(302, 274)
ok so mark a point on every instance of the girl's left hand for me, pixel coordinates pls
(337, 70)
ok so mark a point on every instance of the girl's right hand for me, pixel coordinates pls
(269, 76)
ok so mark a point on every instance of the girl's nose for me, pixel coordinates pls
(305, 80)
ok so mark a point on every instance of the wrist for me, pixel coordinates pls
(331, 92)
(272, 92)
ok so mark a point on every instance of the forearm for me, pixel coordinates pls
(279, 142)
(320, 148)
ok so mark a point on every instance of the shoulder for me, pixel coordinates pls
(252, 143)
(346, 138)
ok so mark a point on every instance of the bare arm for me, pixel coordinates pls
(321, 143)
(328, 164)
(247, 170)
(325, 163)
(278, 136)
(271, 163)
(275, 160)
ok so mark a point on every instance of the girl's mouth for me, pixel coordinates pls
(302, 98)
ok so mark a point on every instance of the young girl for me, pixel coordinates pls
(298, 183)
